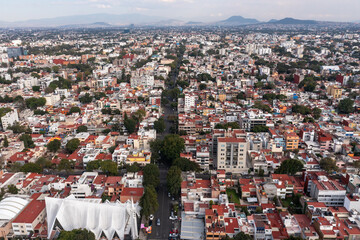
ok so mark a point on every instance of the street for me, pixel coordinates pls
(162, 231)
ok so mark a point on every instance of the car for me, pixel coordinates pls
(173, 218)
(158, 222)
(151, 217)
(169, 194)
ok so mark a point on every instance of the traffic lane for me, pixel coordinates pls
(163, 213)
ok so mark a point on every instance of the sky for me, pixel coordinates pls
(189, 10)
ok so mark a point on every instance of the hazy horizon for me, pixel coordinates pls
(187, 10)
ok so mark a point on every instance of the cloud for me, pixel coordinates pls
(103, 6)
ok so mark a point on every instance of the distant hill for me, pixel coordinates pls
(238, 20)
(194, 23)
(293, 21)
(91, 25)
(112, 19)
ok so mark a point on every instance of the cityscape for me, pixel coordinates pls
(135, 126)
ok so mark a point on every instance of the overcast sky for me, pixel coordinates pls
(197, 10)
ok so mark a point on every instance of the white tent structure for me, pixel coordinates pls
(10, 207)
(103, 219)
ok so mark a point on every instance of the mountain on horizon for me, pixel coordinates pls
(112, 19)
(238, 20)
(292, 21)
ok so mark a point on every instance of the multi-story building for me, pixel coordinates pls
(189, 101)
(9, 119)
(291, 141)
(144, 80)
(232, 154)
(30, 217)
(334, 91)
(328, 191)
(251, 119)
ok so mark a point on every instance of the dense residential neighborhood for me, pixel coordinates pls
(180, 133)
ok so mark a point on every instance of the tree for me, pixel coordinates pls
(174, 180)
(43, 162)
(328, 164)
(109, 167)
(186, 165)
(202, 86)
(65, 164)
(171, 148)
(112, 149)
(12, 189)
(28, 142)
(17, 128)
(6, 142)
(155, 147)
(74, 110)
(93, 165)
(79, 234)
(130, 125)
(159, 125)
(148, 202)
(31, 167)
(346, 106)
(239, 236)
(151, 175)
(54, 145)
(82, 128)
(36, 88)
(290, 166)
(72, 145)
(85, 99)
(135, 167)
(260, 128)
(34, 102)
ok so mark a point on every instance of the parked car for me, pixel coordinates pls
(158, 222)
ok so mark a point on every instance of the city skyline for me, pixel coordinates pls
(186, 10)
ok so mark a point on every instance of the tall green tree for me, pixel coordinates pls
(5, 142)
(130, 125)
(12, 189)
(85, 99)
(148, 202)
(43, 162)
(171, 148)
(54, 145)
(78, 234)
(186, 165)
(109, 167)
(346, 106)
(174, 180)
(82, 128)
(28, 142)
(290, 166)
(74, 110)
(31, 167)
(65, 164)
(72, 145)
(159, 125)
(151, 175)
(328, 164)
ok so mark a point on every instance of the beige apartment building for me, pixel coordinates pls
(232, 154)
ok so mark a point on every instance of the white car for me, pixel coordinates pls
(151, 217)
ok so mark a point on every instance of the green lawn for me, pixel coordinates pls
(233, 196)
